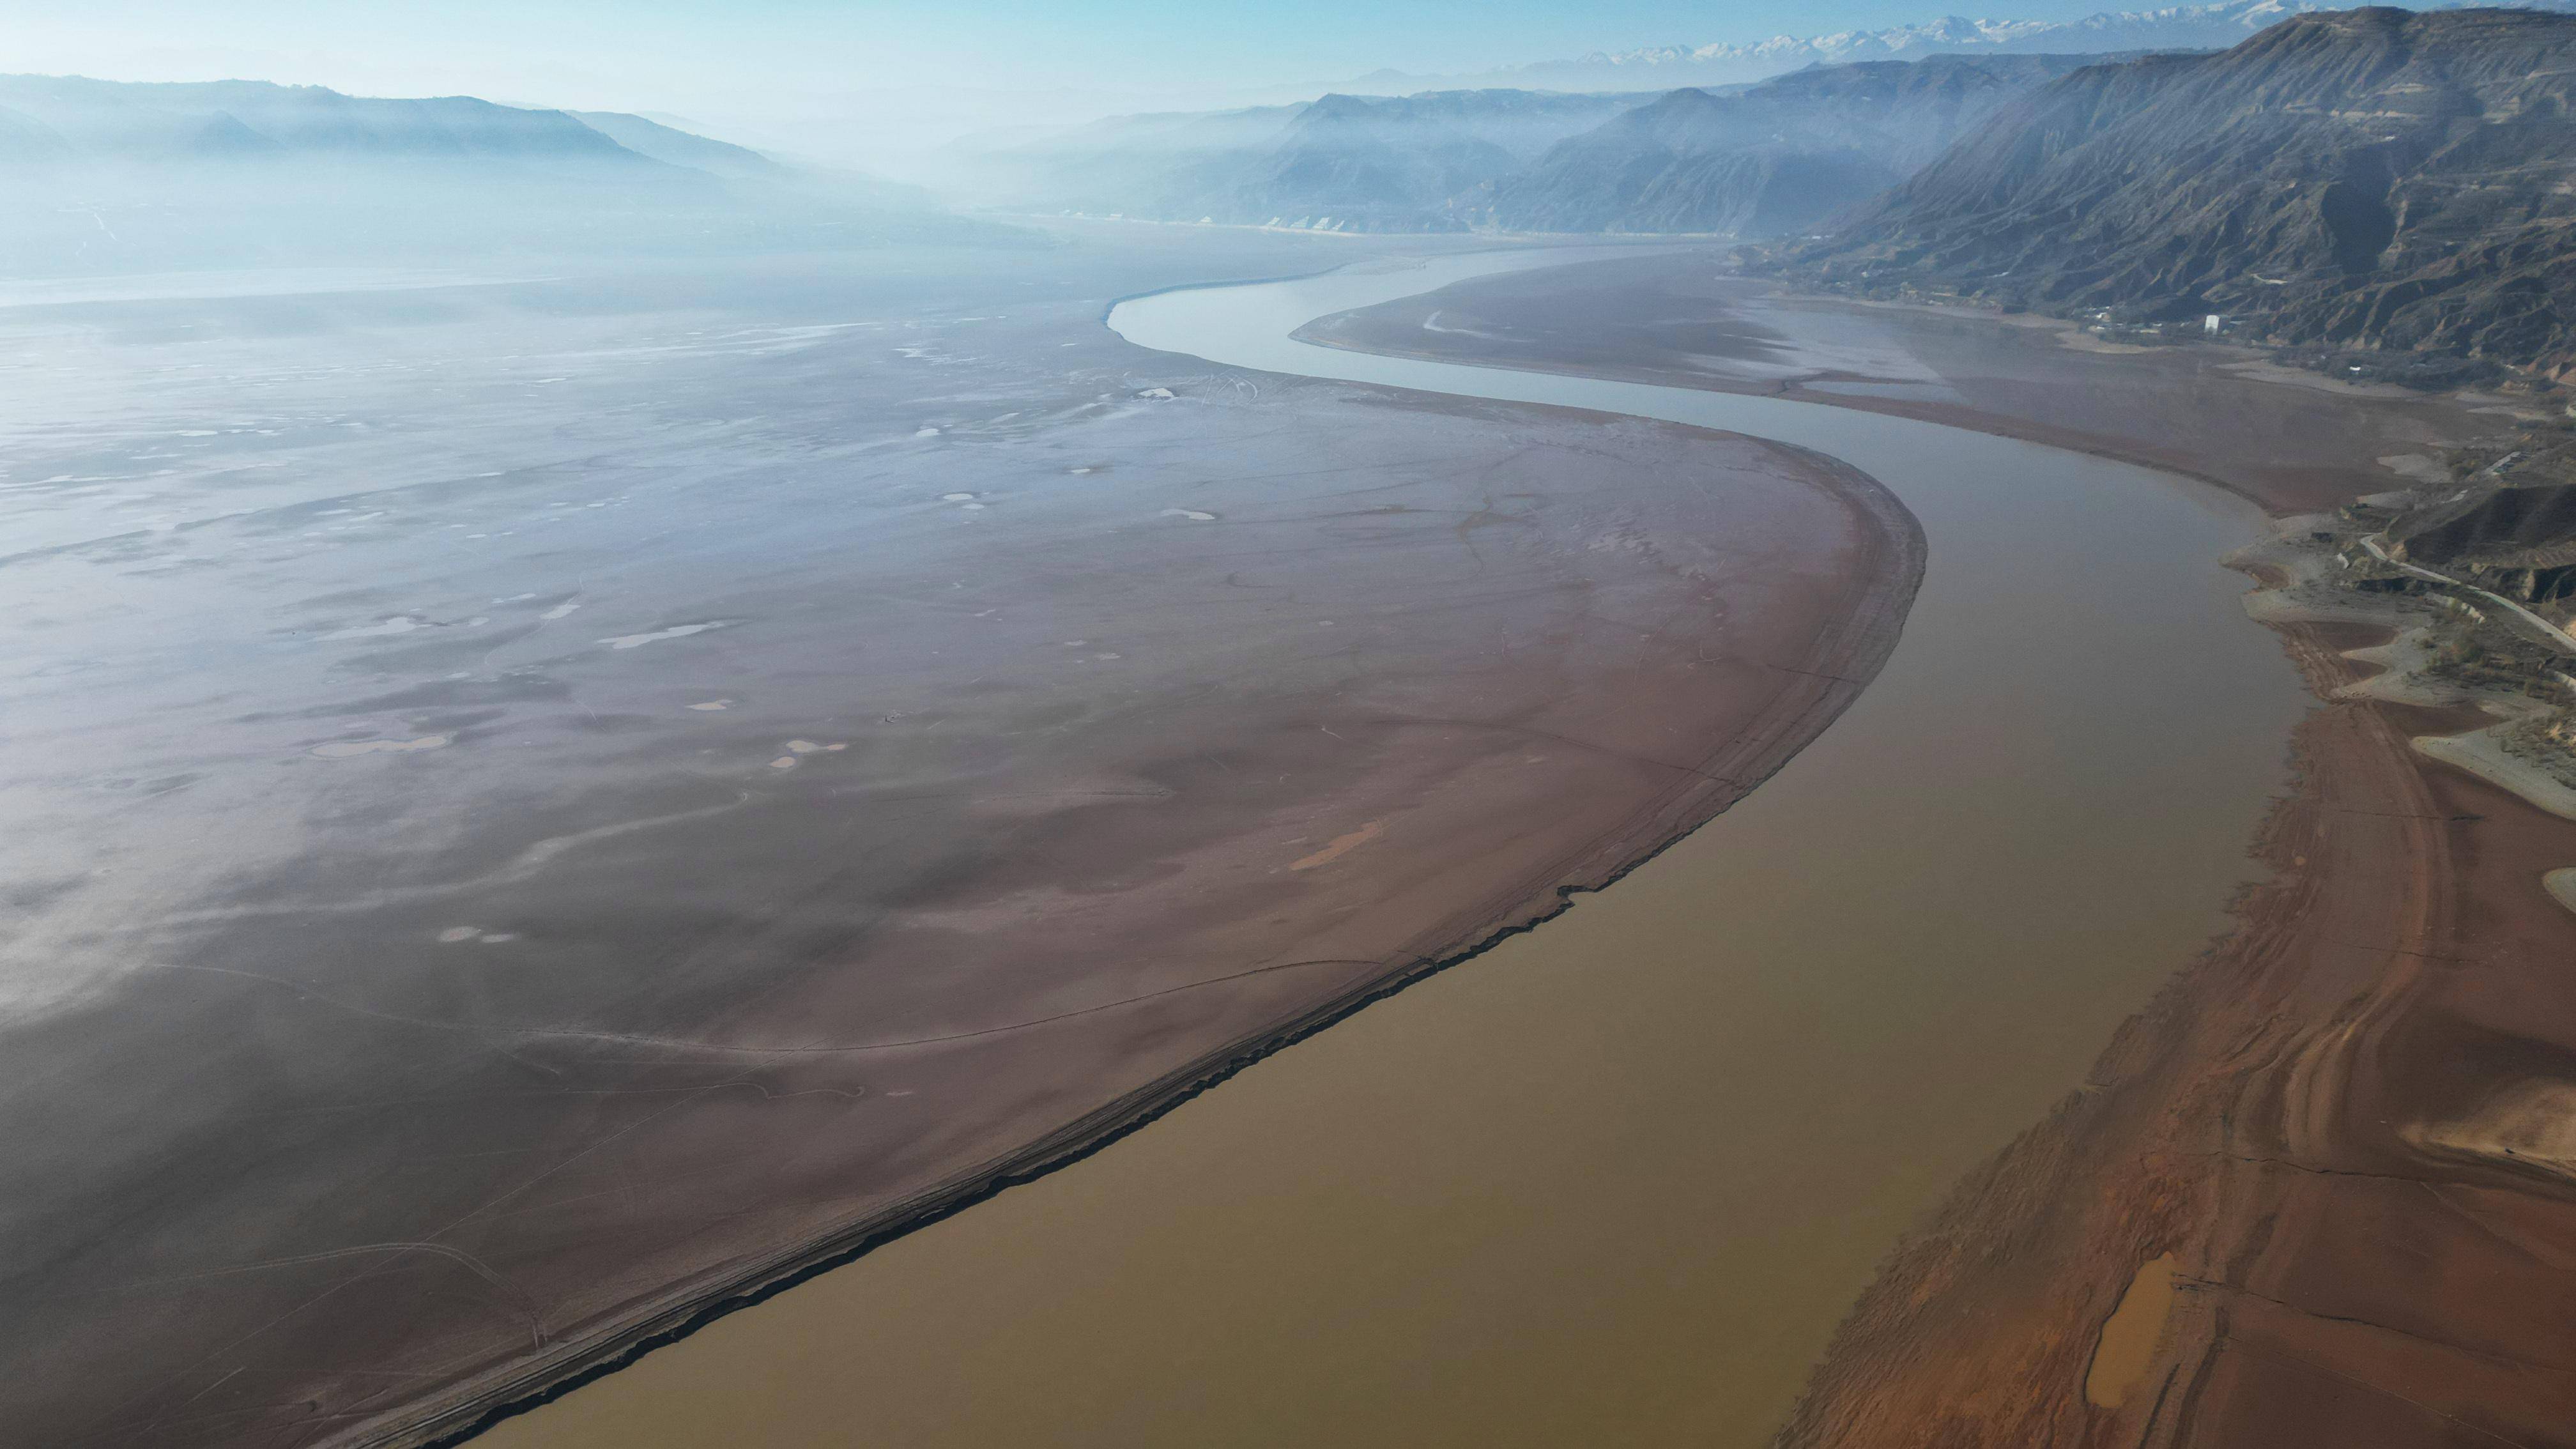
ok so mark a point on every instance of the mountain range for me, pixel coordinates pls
(1665, 67)
(60, 119)
(1748, 161)
(1340, 163)
(2365, 179)
(108, 175)
(1772, 159)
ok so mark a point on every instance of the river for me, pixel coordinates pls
(1615, 1180)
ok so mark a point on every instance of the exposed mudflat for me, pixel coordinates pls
(535, 806)
(2302, 443)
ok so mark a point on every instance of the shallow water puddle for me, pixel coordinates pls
(2132, 1334)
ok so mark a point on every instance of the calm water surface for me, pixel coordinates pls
(1616, 1180)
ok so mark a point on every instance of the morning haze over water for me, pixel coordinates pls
(1046, 725)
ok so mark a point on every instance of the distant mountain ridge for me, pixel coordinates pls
(1747, 161)
(2371, 178)
(1772, 159)
(2215, 26)
(109, 175)
(675, 147)
(149, 122)
(1340, 163)
(71, 118)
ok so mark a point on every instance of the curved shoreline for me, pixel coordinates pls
(1682, 319)
(2016, 677)
(2305, 1117)
(1832, 673)
(1791, 391)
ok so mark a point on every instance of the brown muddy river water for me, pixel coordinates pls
(1615, 1180)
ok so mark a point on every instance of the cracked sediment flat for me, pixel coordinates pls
(519, 835)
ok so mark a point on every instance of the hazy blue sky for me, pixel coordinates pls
(469, 44)
(781, 65)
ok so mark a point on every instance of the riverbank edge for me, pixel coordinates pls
(2156, 1150)
(1890, 556)
(2177, 462)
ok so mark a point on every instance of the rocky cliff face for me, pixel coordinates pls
(2369, 178)
(1776, 159)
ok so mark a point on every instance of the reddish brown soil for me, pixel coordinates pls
(2340, 1287)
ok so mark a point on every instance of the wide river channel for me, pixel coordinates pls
(1615, 1181)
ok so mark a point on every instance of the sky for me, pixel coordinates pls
(828, 75)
